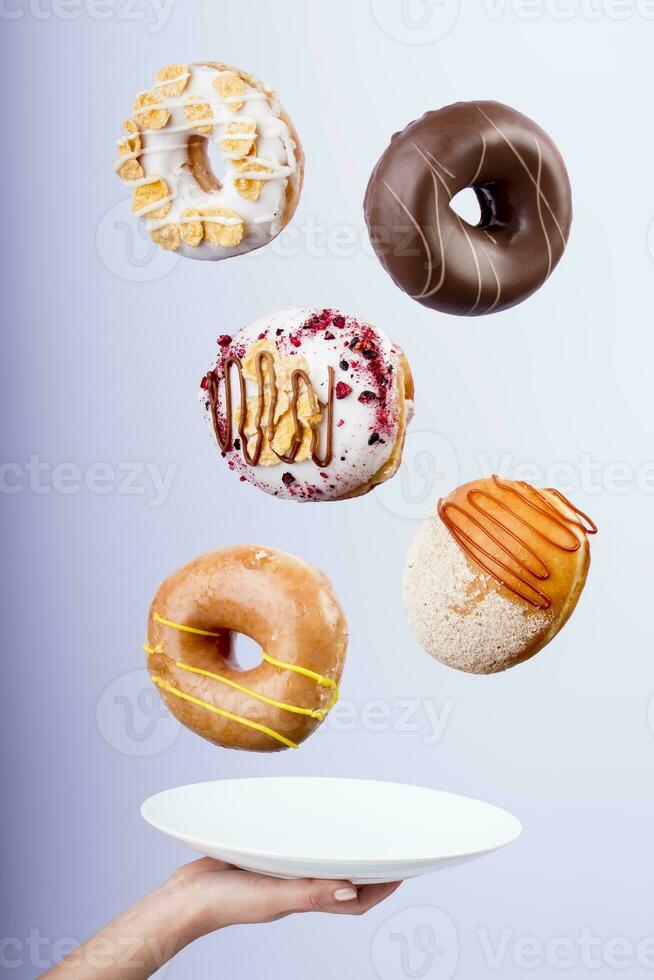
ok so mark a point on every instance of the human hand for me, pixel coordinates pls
(224, 895)
(200, 898)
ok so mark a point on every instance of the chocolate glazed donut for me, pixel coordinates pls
(523, 190)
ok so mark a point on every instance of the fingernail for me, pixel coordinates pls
(345, 894)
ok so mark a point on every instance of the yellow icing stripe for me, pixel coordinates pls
(318, 713)
(323, 681)
(178, 626)
(311, 712)
(160, 682)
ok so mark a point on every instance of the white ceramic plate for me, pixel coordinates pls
(363, 830)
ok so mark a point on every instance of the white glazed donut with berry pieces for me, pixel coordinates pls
(310, 404)
(185, 206)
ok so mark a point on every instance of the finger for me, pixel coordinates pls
(305, 895)
(367, 897)
(371, 895)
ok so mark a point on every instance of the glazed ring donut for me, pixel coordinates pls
(495, 573)
(186, 207)
(309, 404)
(288, 607)
(524, 195)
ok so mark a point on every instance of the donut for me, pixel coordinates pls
(163, 156)
(309, 404)
(523, 191)
(288, 607)
(494, 574)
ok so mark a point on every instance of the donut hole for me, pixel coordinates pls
(246, 651)
(206, 163)
(466, 205)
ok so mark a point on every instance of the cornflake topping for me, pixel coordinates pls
(247, 187)
(148, 194)
(131, 170)
(192, 232)
(226, 235)
(228, 86)
(243, 144)
(168, 237)
(130, 144)
(196, 109)
(179, 75)
(153, 118)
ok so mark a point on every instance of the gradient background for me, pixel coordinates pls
(105, 342)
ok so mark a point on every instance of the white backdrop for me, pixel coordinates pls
(108, 342)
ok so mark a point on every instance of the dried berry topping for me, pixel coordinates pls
(204, 383)
(237, 445)
(344, 365)
(279, 331)
(339, 321)
(319, 321)
(329, 335)
(369, 354)
(343, 390)
(287, 479)
(296, 341)
(367, 396)
(262, 336)
(340, 423)
(224, 340)
(373, 439)
(354, 342)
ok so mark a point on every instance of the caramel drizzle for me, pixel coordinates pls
(534, 565)
(298, 378)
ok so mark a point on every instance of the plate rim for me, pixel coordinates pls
(319, 861)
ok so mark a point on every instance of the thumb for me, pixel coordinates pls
(309, 895)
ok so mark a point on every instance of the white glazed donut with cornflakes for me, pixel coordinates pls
(310, 404)
(186, 207)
